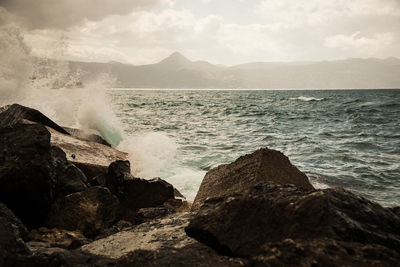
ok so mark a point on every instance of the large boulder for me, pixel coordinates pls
(134, 193)
(247, 171)
(32, 173)
(12, 232)
(15, 113)
(88, 212)
(241, 224)
(27, 173)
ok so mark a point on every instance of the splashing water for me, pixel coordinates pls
(49, 86)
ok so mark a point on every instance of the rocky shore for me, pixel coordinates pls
(67, 198)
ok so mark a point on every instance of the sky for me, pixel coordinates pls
(225, 32)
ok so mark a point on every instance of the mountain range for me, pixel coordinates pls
(176, 71)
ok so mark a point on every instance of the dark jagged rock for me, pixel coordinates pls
(80, 134)
(32, 173)
(264, 165)
(12, 232)
(118, 172)
(140, 193)
(58, 237)
(241, 223)
(134, 193)
(88, 212)
(70, 179)
(15, 113)
(324, 252)
(191, 255)
(27, 175)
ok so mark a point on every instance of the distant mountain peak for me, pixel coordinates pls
(176, 58)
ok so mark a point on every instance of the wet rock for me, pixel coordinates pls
(324, 252)
(88, 212)
(86, 136)
(12, 232)
(58, 237)
(264, 165)
(240, 224)
(15, 113)
(191, 255)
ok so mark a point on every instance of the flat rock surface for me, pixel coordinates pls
(264, 165)
(154, 235)
(85, 152)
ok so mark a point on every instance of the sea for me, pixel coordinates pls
(339, 138)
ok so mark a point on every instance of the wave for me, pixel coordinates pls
(307, 99)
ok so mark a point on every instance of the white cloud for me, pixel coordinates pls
(43, 14)
(363, 45)
(297, 13)
(288, 30)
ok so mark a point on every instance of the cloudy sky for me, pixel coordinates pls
(220, 31)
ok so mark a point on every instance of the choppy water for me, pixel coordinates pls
(347, 138)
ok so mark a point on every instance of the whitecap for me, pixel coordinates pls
(306, 99)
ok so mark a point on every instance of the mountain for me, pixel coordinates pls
(177, 71)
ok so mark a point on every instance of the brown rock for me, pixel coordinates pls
(58, 237)
(88, 212)
(247, 171)
(240, 224)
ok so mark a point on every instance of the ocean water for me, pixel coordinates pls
(346, 138)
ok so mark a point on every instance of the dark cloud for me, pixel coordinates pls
(61, 14)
